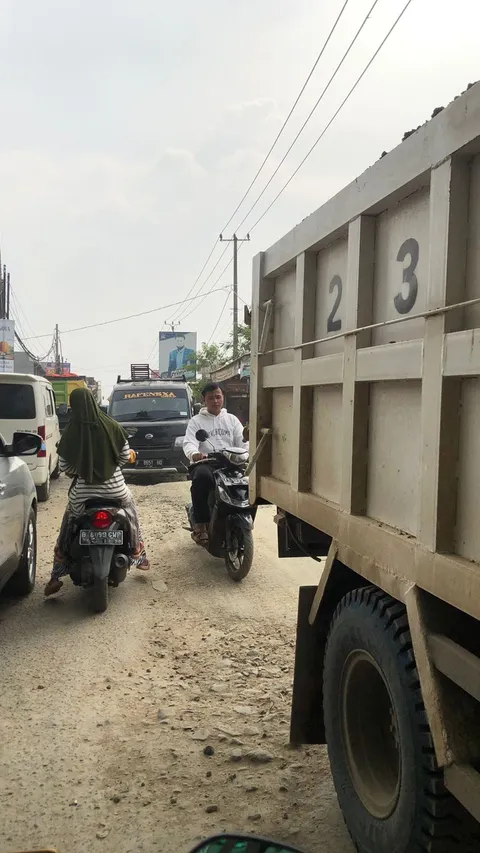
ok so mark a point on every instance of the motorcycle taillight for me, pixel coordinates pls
(101, 519)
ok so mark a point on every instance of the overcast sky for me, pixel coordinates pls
(130, 129)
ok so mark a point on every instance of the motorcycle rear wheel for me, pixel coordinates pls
(100, 594)
(239, 563)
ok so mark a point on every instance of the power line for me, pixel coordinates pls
(305, 123)
(328, 125)
(29, 353)
(179, 312)
(312, 111)
(219, 318)
(295, 103)
(152, 350)
(131, 316)
(19, 311)
(204, 295)
(269, 152)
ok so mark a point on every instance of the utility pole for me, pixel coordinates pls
(235, 240)
(57, 350)
(4, 292)
(173, 325)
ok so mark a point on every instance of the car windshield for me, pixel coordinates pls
(160, 404)
(17, 402)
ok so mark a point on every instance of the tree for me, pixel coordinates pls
(212, 356)
(244, 341)
(209, 357)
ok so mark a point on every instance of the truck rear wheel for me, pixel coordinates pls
(388, 783)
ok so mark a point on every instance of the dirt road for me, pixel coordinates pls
(105, 720)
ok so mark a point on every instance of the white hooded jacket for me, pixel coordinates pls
(224, 430)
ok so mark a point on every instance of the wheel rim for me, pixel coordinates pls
(31, 552)
(370, 734)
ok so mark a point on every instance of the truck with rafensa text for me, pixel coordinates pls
(365, 380)
(155, 413)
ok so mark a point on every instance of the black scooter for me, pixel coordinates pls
(231, 516)
(100, 549)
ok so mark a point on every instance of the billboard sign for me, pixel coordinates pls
(177, 355)
(51, 368)
(7, 341)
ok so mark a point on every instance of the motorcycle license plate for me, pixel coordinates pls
(101, 537)
(150, 463)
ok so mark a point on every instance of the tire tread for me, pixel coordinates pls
(442, 818)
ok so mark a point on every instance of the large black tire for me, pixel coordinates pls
(238, 569)
(388, 783)
(100, 594)
(43, 491)
(23, 581)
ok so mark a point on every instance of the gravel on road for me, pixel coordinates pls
(165, 719)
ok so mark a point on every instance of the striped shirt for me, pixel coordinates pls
(114, 489)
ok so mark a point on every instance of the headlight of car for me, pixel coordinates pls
(179, 441)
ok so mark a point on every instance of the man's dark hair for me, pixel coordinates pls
(180, 335)
(211, 386)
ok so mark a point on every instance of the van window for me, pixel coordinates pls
(49, 411)
(17, 402)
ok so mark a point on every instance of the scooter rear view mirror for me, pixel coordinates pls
(201, 435)
(242, 844)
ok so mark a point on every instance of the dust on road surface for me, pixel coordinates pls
(105, 719)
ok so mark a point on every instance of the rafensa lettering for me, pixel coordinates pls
(138, 395)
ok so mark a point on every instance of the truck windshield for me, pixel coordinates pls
(139, 404)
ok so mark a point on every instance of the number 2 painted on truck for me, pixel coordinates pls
(334, 325)
(404, 304)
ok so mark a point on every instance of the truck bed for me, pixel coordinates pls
(366, 370)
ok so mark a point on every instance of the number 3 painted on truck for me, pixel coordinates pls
(404, 304)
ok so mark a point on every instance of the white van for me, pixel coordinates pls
(27, 404)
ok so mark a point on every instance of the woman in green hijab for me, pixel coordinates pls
(92, 450)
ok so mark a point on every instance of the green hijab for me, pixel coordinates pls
(92, 441)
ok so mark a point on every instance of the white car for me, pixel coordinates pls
(18, 514)
(27, 404)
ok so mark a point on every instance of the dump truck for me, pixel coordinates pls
(365, 386)
(63, 387)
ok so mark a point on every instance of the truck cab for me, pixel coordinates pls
(155, 413)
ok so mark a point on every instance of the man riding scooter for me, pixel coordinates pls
(224, 430)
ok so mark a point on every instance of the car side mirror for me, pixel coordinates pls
(201, 435)
(196, 408)
(25, 444)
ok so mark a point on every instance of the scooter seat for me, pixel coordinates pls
(99, 503)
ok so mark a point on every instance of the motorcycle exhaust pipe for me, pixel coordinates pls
(121, 561)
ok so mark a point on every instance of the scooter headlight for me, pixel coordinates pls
(239, 457)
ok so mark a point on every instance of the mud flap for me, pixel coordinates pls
(306, 724)
(101, 559)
